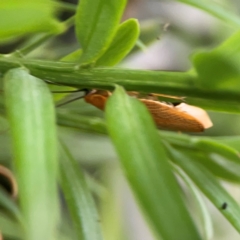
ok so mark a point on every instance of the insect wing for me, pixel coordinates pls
(197, 113)
(183, 117)
(169, 117)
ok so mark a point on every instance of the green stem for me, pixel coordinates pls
(174, 83)
(32, 44)
(66, 6)
(36, 42)
(69, 22)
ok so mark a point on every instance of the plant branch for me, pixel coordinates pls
(36, 42)
(64, 6)
(173, 83)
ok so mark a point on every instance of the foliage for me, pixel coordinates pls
(150, 159)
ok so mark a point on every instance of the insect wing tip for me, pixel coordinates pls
(196, 112)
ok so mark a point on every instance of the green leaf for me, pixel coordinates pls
(32, 121)
(222, 160)
(110, 206)
(205, 144)
(216, 10)
(220, 67)
(8, 205)
(230, 141)
(150, 32)
(73, 56)
(205, 217)
(210, 145)
(216, 164)
(209, 185)
(78, 197)
(146, 167)
(11, 229)
(24, 16)
(122, 43)
(96, 25)
(73, 120)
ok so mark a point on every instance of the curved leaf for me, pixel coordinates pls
(215, 163)
(32, 121)
(219, 68)
(145, 164)
(204, 213)
(230, 141)
(24, 16)
(96, 24)
(9, 205)
(216, 10)
(79, 199)
(208, 185)
(11, 229)
(92, 124)
(122, 43)
(222, 160)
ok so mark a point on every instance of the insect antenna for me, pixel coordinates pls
(86, 92)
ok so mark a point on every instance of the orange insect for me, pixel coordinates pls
(182, 117)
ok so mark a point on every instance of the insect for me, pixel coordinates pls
(224, 206)
(179, 117)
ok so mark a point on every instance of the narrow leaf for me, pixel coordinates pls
(205, 144)
(24, 16)
(11, 229)
(230, 141)
(210, 145)
(219, 68)
(208, 184)
(216, 164)
(9, 205)
(96, 24)
(216, 10)
(73, 120)
(78, 197)
(122, 43)
(222, 160)
(73, 56)
(145, 164)
(205, 217)
(32, 121)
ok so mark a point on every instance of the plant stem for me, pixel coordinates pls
(66, 6)
(36, 42)
(174, 83)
